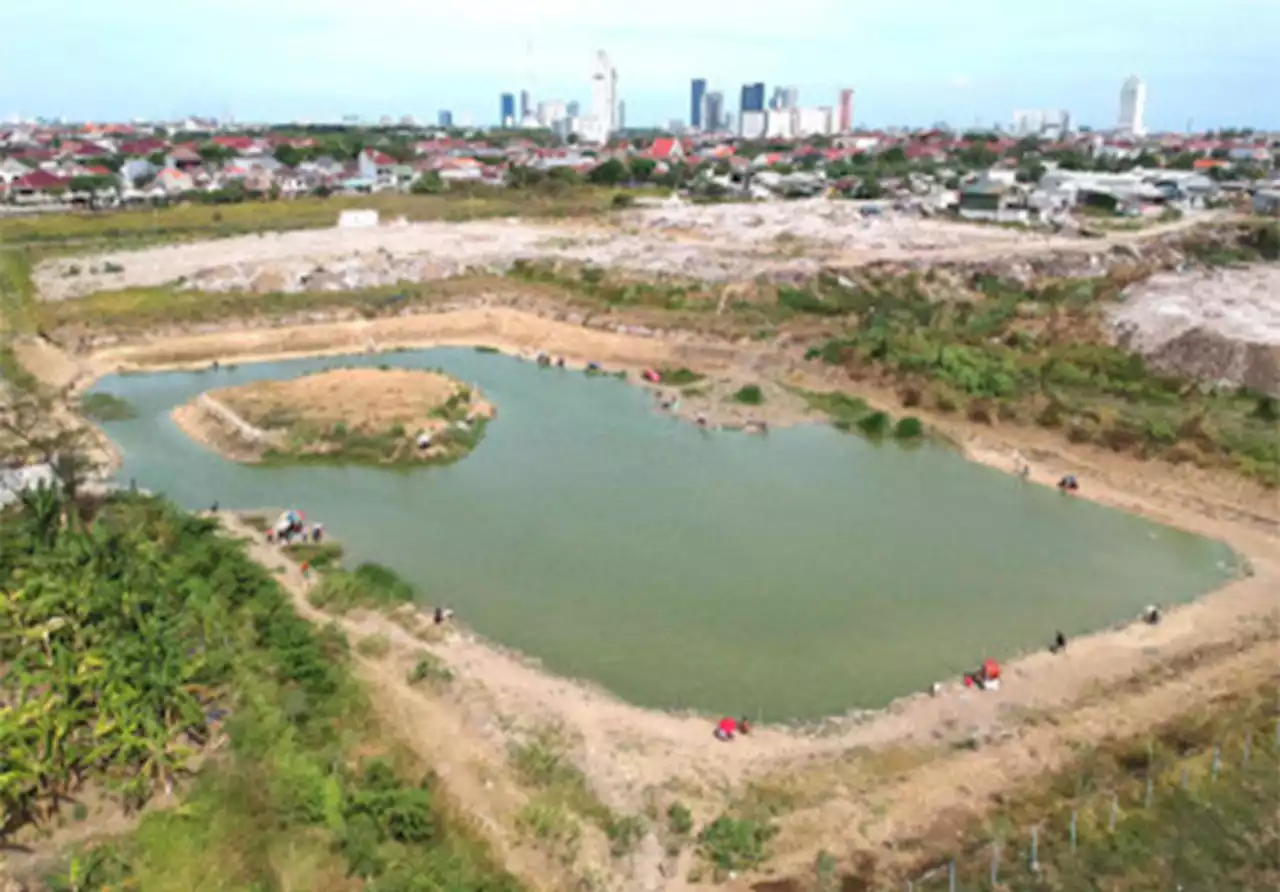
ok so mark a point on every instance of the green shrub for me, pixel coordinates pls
(749, 395)
(106, 407)
(908, 428)
(874, 424)
(735, 844)
(679, 819)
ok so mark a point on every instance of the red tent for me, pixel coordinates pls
(990, 669)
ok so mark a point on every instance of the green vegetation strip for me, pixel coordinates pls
(192, 220)
(1018, 355)
(133, 638)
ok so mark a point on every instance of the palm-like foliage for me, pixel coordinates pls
(115, 638)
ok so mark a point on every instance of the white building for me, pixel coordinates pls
(1133, 107)
(778, 123)
(752, 124)
(808, 122)
(602, 121)
(550, 111)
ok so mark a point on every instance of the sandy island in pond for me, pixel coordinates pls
(356, 415)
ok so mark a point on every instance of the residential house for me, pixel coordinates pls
(376, 168)
(183, 158)
(1267, 202)
(136, 169)
(666, 149)
(11, 169)
(460, 170)
(36, 187)
(172, 181)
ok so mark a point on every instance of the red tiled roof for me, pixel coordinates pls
(382, 159)
(239, 143)
(662, 147)
(39, 181)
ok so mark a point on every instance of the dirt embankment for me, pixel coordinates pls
(405, 415)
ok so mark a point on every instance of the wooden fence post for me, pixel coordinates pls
(1073, 831)
(1248, 745)
(1035, 849)
(995, 863)
(951, 876)
(1217, 762)
(1115, 808)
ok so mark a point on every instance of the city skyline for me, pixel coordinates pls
(908, 68)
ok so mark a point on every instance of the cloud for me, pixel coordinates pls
(959, 82)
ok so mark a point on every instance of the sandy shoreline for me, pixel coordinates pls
(627, 751)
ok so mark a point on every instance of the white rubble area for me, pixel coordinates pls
(1218, 326)
(710, 243)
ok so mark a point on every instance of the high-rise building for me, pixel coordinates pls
(508, 117)
(526, 105)
(697, 100)
(784, 97)
(713, 119)
(602, 120)
(1133, 107)
(574, 109)
(445, 118)
(752, 98)
(622, 115)
(845, 123)
(551, 111)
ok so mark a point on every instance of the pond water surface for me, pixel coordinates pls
(798, 574)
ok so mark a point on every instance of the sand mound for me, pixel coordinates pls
(364, 415)
(1214, 326)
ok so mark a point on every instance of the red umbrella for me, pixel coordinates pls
(990, 669)
(728, 725)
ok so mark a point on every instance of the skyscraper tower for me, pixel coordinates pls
(604, 97)
(1133, 107)
(752, 97)
(845, 124)
(697, 96)
(714, 118)
(507, 118)
(525, 105)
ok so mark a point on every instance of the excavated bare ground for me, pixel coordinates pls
(732, 242)
(1211, 325)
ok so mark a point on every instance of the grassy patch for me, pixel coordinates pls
(17, 292)
(735, 844)
(1180, 808)
(106, 407)
(374, 646)
(679, 377)
(749, 395)
(543, 764)
(14, 373)
(428, 669)
(316, 555)
(1040, 354)
(197, 221)
(368, 585)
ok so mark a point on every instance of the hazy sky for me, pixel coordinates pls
(911, 62)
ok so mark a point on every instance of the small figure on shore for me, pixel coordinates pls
(213, 509)
(701, 419)
(317, 532)
(726, 729)
(271, 536)
(1069, 483)
(1151, 616)
(1059, 643)
(560, 362)
(306, 569)
(743, 725)
(935, 689)
(442, 615)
